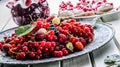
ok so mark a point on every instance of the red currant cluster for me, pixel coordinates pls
(84, 5)
(51, 37)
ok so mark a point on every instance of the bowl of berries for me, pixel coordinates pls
(51, 40)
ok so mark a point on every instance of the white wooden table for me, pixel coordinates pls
(93, 59)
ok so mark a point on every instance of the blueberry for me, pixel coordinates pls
(61, 20)
(57, 33)
(52, 25)
(52, 28)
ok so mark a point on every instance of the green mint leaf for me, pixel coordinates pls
(24, 30)
(112, 59)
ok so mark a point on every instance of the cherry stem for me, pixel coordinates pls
(31, 19)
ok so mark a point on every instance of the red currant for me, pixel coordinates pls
(58, 53)
(25, 49)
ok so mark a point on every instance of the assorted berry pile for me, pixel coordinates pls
(51, 37)
(23, 10)
(85, 7)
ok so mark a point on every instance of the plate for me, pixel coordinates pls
(114, 12)
(103, 34)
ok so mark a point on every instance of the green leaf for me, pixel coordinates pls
(111, 60)
(69, 46)
(24, 30)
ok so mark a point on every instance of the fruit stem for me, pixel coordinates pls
(31, 19)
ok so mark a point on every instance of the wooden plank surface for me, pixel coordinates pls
(116, 26)
(4, 14)
(102, 53)
(81, 61)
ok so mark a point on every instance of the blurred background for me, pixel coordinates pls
(54, 4)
